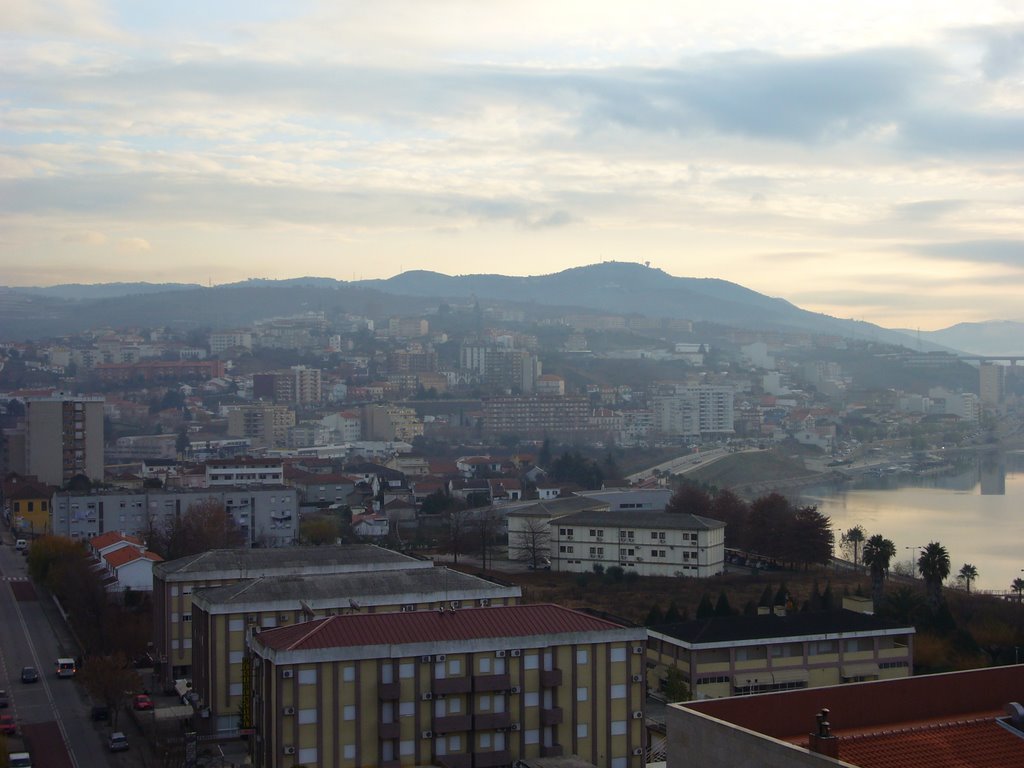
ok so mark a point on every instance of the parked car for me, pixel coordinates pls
(7, 725)
(142, 702)
(29, 675)
(4, 700)
(117, 742)
(19, 760)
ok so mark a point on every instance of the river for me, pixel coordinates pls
(976, 511)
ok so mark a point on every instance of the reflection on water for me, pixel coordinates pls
(976, 510)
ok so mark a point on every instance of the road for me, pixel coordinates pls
(52, 713)
(682, 465)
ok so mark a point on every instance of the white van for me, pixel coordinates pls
(65, 667)
(19, 760)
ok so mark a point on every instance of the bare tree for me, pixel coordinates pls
(206, 525)
(533, 541)
(488, 528)
(110, 679)
(457, 532)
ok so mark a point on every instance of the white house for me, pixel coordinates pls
(649, 543)
(130, 569)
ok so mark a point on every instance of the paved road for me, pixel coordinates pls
(682, 465)
(53, 713)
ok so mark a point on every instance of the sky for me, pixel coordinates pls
(861, 159)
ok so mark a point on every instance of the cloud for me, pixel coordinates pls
(85, 238)
(1009, 252)
(133, 244)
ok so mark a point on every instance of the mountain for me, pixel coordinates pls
(610, 287)
(79, 291)
(994, 337)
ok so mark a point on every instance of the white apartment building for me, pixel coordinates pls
(649, 543)
(244, 471)
(221, 341)
(694, 410)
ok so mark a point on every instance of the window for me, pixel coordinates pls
(618, 727)
(618, 654)
(348, 674)
(455, 667)
(581, 693)
(349, 712)
(307, 716)
(531, 699)
(235, 657)
(533, 736)
(307, 677)
(618, 691)
(186, 617)
(350, 751)
(406, 748)
(485, 741)
(406, 670)
(821, 647)
(581, 730)
(484, 702)
(597, 551)
(564, 548)
(581, 656)
(235, 689)
(406, 708)
(485, 665)
(454, 743)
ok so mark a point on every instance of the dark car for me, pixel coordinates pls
(29, 675)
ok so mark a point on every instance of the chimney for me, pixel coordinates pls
(822, 741)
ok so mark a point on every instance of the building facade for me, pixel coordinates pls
(222, 617)
(175, 581)
(474, 687)
(64, 438)
(648, 543)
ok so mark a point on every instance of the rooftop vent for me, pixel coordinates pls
(1016, 712)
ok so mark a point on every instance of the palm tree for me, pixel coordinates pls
(878, 552)
(933, 565)
(968, 573)
(1018, 587)
(852, 539)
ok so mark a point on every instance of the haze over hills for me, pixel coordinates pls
(610, 287)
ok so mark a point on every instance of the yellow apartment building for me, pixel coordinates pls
(175, 581)
(223, 616)
(470, 688)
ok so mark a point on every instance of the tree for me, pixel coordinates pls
(456, 532)
(878, 553)
(111, 680)
(206, 525)
(689, 499)
(533, 541)
(676, 688)
(851, 540)
(722, 607)
(1018, 587)
(705, 610)
(809, 537)
(933, 564)
(654, 617)
(968, 573)
(320, 530)
(488, 526)
(672, 615)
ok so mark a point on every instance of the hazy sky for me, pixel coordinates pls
(862, 159)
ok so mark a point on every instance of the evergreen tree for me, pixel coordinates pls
(767, 597)
(654, 617)
(705, 610)
(722, 607)
(672, 614)
(782, 596)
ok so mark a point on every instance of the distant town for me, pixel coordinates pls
(472, 536)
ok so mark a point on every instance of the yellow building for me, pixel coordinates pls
(223, 616)
(474, 687)
(175, 581)
(28, 504)
(740, 655)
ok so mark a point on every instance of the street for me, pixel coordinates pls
(52, 713)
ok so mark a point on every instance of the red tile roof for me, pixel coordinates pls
(982, 743)
(112, 537)
(125, 555)
(432, 626)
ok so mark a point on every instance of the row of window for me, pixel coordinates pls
(628, 535)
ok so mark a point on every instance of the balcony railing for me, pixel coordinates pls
(552, 716)
(446, 685)
(452, 724)
(492, 720)
(389, 691)
(389, 730)
(491, 759)
(486, 683)
(549, 678)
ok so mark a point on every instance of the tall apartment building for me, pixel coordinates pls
(694, 410)
(537, 416)
(300, 385)
(222, 341)
(265, 425)
(502, 368)
(64, 438)
(222, 616)
(175, 581)
(990, 385)
(391, 422)
(472, 687)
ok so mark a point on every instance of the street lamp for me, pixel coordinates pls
(913, 561)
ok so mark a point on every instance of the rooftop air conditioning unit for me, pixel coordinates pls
(288, 749)
(500, 654)
(638, 649)
(287, 673)
(638, 714)
(288, 711)
(426, 696)
(514, 727)
(638, 678)
(427, 734)
(440, 657)
(516, 652)
(515, 689)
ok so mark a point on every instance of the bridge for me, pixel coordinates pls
(1011, 359)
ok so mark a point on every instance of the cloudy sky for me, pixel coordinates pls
(862, 159)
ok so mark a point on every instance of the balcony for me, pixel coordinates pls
(389, 691)
(388, 731)
(555, 750)
(492, 721)
(487, 683)
(446, 685)
(491, 759)
(452, 724)
(550, 678)
(551, 716)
